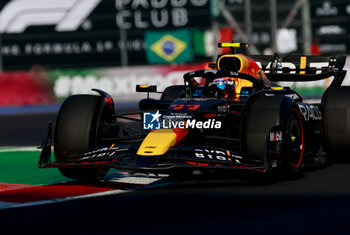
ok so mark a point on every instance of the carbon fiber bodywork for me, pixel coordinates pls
(287, 124)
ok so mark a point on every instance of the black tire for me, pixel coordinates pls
(173, 92)
(77, 131)
(336, 120)
(260, 116)
(294, 141)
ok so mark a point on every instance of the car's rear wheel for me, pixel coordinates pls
(261, 115)
(80, 127)
(336, 120)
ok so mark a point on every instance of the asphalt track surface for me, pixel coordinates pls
(317, 201)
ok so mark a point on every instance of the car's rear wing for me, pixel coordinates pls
(302, 68)
(290, 68)
(299, 64)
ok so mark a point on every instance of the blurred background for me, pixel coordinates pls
(50, 49)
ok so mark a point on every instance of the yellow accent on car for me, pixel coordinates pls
(111, 147)
(243, 64)
(233, 44)
(278, 88)
(302, 64)
(157, 142)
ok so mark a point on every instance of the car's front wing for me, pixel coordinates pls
(123, 156)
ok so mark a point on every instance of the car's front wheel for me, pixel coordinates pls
(261, 116)
(80, 127)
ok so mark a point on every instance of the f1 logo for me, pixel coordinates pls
(152, 121)
(67, 15)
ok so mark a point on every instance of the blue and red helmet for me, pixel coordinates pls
(222, 87)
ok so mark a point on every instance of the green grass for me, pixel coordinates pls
(310, 91)
(21, 167)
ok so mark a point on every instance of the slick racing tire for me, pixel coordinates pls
(173, 92)
(78, 129)
(294, 141)
(264, 113)
(336, 120)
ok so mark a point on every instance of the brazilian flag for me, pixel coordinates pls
(165, 47)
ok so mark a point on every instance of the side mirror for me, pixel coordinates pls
(146, 88)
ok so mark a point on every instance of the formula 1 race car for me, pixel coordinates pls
(230, 116)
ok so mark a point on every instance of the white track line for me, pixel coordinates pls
(121, 177)
(19, 149)
(133, 178)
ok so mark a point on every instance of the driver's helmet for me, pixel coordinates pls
(222, 88)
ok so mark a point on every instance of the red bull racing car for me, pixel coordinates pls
(231, 116)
